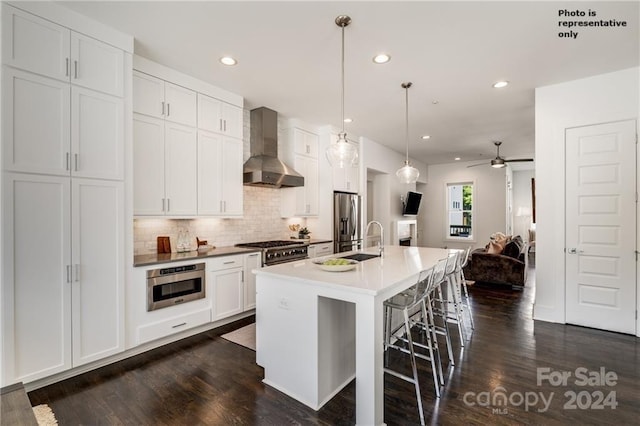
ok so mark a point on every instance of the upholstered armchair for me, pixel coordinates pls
(508, 267)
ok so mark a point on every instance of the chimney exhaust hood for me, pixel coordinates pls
(264, 168)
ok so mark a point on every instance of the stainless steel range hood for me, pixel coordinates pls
(264, 168)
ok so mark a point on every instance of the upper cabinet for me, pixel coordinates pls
(219, 117)
(62, 100)
(187, 146)
(161, 99)
(301, 152)
(42, 47)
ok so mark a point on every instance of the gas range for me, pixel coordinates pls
(279, 251)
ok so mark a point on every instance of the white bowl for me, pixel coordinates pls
(336, 268)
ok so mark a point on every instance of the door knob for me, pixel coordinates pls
(574, 251)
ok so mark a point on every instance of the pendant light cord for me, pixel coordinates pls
(407, 120)
(342, 60)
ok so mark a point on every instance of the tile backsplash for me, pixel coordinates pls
(261, 222)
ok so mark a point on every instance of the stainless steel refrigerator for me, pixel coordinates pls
(347, 222)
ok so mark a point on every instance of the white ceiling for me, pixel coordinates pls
(289, 60)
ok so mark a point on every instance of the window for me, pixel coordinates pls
(460, 210)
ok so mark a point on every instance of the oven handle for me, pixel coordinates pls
(168, 279)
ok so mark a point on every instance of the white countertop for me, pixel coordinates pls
(372, 276)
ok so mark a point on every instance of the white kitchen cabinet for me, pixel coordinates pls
(220, 191)
(219, 117)
(43, 47)
(55, 128)
(226, 275)
(165, 165)
(161, 99)
(97, 288)
(319, 250)
(68, 310)
(301, 151)
(251, 261)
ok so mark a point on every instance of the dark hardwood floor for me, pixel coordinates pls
(207, 380)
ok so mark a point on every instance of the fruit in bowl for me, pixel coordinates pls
(336, 262)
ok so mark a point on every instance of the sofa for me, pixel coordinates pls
(502, 261)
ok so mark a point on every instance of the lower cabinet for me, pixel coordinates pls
(62, 274)
(233, 284)
(172, 325)
(318, 250)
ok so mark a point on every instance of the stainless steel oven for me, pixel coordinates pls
(174, 285)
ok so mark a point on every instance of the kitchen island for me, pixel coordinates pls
(317, 330)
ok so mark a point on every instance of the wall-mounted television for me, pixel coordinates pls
(411, 203)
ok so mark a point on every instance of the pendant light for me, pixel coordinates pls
(342, 154)
(407, 173)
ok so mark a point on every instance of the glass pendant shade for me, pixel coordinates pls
(341, 153)
(408, 173)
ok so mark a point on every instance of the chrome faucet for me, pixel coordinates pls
(381, 242)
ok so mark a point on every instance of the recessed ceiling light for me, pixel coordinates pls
(381, 58)
(435, 102)
(348, 120)
(500, 84)
(228, 60)
(457, 158)
(425, 137)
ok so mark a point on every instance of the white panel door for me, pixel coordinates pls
(209, 173)
(209, 113)
(251, 261)
(180, 104)
(97, 137)
(36, 277)
(96, 65)
(34, 44)
(36, 134)
(98, 269)
(181, 165)
(228, 293)
(601, 226)
(232, 124)
(148, 166)
(231, 178)
(148, 95)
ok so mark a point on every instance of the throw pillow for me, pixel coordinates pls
(494, 248)
(512, 249)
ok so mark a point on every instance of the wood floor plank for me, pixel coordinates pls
(206, 380)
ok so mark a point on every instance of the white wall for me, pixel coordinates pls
(488, 196)
(598, 99)
(383, 163)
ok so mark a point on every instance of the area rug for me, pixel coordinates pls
(44, 415)
(245, 336)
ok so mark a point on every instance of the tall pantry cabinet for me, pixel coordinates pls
(65, 94)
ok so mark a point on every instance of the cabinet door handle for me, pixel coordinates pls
(168, 109)
(308, 149)
(68, 273)
(224, 205)
(75, 160)
(168, 204)
(229, 262)
(68, 166)
(220, 120)
(162, 113)
(225, 125)
(66, 73)
(242, 276)
(163, 204)
(75, 69)
(77, 270)
(179, 325)
(254, 255)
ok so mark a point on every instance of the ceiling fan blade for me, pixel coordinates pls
(517, 160)
(479, 164)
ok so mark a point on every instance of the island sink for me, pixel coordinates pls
(361, 256)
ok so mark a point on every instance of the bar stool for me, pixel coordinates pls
(451, 305)
(435, 306)
(462, 285)
(405, 302)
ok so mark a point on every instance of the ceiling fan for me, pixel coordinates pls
(500, 162)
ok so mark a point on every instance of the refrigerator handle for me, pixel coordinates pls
(353, 217)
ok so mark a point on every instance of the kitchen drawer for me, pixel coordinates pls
(225, 262)
(324, 249)
(147, 333)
